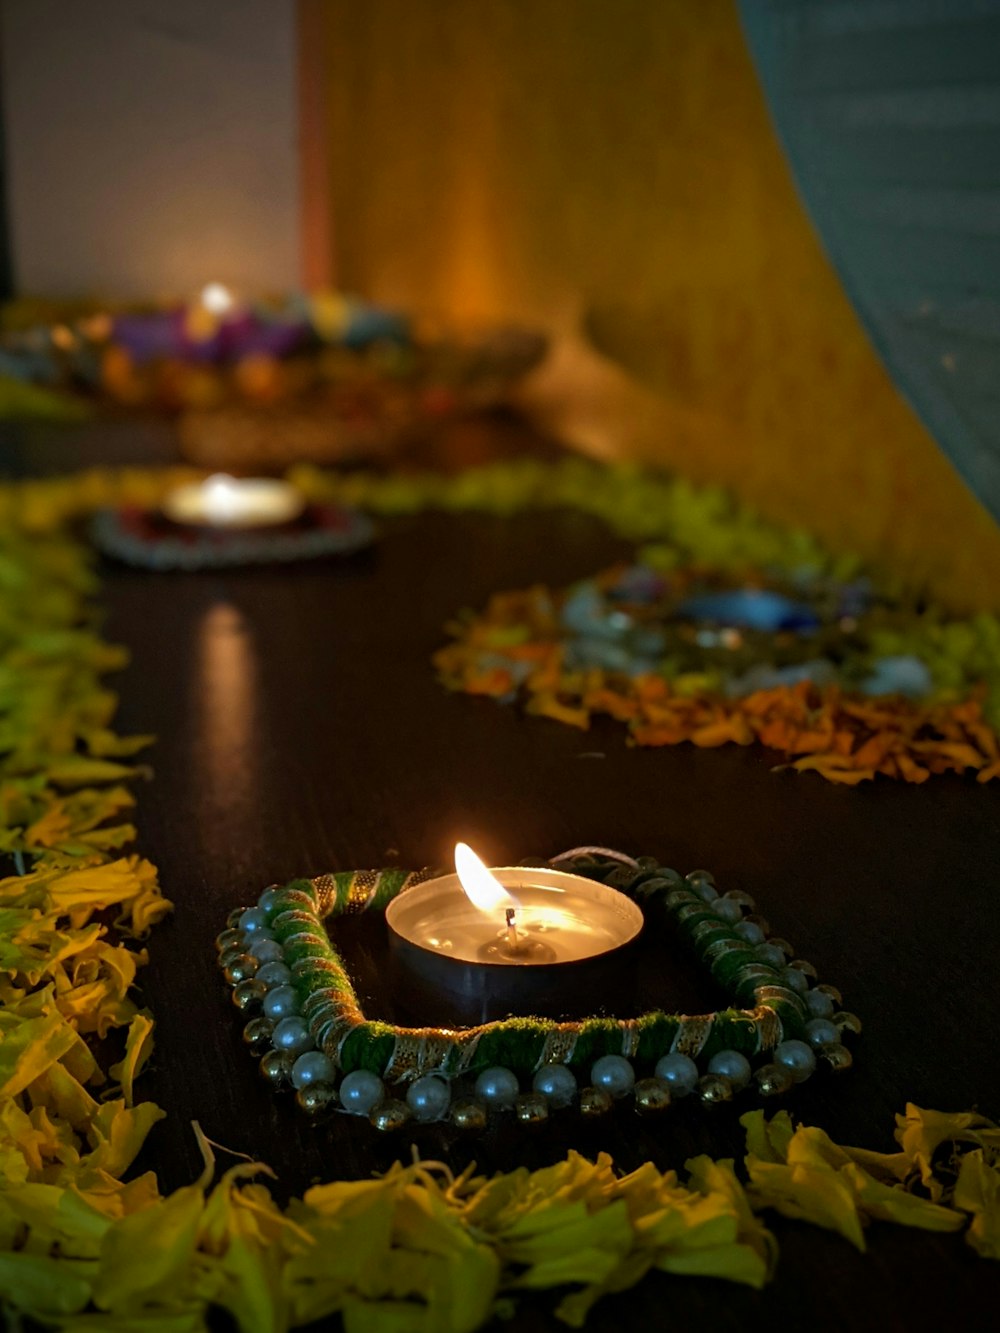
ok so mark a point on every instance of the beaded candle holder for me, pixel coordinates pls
(306, 1025)
(143, 538)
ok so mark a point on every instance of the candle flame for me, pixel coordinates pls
(220, 496)
(483, 889)
(217, 298)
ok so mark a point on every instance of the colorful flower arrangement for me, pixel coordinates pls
(851, 689)
(852, 676)
(855, 673)
(84, 1246)
(257, 381)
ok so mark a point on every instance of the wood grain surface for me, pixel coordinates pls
(301, 730)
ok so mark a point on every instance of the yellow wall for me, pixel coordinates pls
(608, 168)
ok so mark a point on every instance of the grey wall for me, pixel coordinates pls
(151, 144)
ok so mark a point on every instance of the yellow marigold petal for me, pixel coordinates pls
(138, 1049)
(977, 1191)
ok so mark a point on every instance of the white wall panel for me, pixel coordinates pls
(151, 144)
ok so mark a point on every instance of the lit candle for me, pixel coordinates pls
(515, 916)
(216, 298)
(210, 322)
(234, 502)
(215, 328)
(220, 328)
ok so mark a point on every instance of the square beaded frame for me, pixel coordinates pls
(772, 1002)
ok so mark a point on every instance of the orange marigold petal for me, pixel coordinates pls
(496, 682)
(547, 706)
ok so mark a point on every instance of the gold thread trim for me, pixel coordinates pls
(766, 994)
(691, 1035)
(433, 1052)
(769, 1029)
(559, 1044)
(719, 948)
(466, 1043)
(403, 1062)
(326, 893)
(421, 876)
(630, 1037)
(333, 1032)
(363, 885)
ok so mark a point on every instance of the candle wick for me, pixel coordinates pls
(511, 930)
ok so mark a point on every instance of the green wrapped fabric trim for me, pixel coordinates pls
(598, 1036)
(323, 968)
(390, 884)
(297, 951)
(793, 1022)
(656, 1036)
(515, 1043)
(368, 1047)
(708, 920)
(330, 1004)
(343, 879)
(297, 895)
(286, 924)
(728, 968)
(732, 1030)
(745, 988)
(309, 981)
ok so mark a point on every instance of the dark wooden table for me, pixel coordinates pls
(301, 730)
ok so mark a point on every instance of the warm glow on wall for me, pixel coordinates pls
(611, 171)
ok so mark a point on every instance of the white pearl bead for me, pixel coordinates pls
(313, 1067)
(267, 899)
(820, 1031)
(796, 1057)
(819, 1004)
(614, 1074)
(428, 1097)
(265, 950)
(280, 1003)
(274, 974)
(732, 1065)
(749, 931)
(555, 1082)
(771, 955)
(680, 1071)
(361, 1091)
(252, 920)
(497, 1086)
(795, 980)
(728, 910)
(292, 1035)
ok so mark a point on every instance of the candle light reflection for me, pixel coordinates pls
(225, 714)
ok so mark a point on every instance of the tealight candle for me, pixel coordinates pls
(217, 298)
(512, 935)
(515, 916)
(234, 502)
